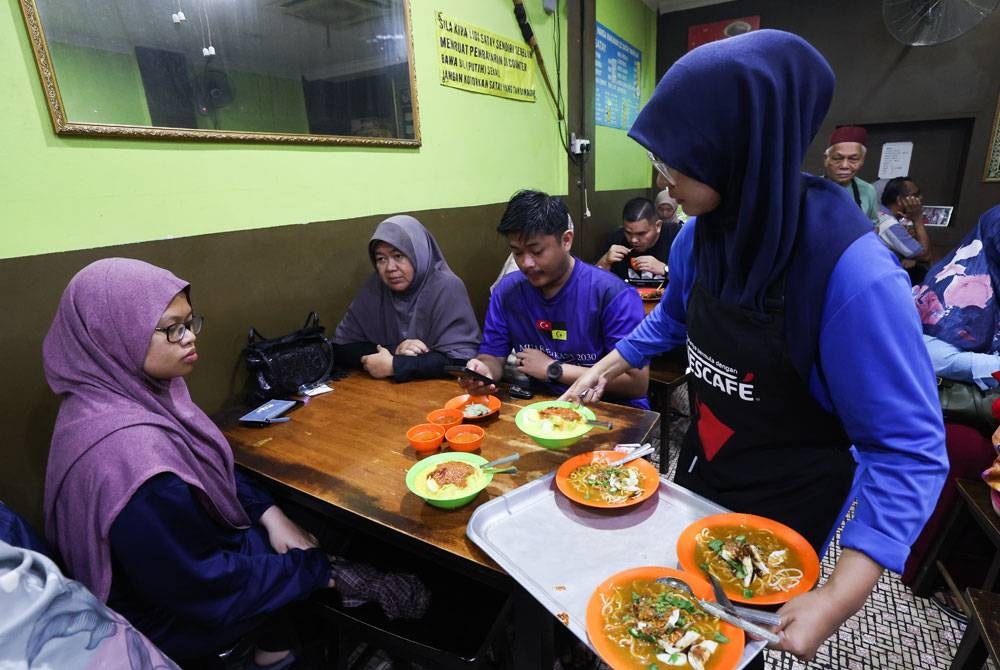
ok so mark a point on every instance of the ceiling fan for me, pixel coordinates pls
(927, 22)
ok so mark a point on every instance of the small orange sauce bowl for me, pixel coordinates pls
(425, 437)
(465, 437)
(445, 417)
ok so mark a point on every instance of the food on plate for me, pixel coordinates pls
(449, 479)
(564, 617)
(607, 483)
(660, 624)
(474, 409)
(650, 293)
(750, 561)
(554, 419)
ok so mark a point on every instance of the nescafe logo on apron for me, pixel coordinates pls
(719, 375)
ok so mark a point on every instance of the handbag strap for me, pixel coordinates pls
(312, 321)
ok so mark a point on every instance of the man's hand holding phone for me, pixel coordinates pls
(475, 377)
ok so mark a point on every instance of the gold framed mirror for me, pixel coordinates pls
(286, 71)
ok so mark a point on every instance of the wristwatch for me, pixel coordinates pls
(554, 372)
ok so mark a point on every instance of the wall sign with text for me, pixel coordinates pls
(617, 73)
(474, 59)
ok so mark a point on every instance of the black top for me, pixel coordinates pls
(660, 250)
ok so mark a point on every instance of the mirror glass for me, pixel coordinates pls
(305, 71)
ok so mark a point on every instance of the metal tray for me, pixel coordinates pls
(559, 551)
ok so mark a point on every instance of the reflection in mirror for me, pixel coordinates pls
(313, 71)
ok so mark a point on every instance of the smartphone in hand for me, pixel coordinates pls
(465, 373)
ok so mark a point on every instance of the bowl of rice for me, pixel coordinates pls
(448, 480)
(554, 424)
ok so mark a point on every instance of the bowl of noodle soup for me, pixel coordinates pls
(757, 560)
(588, 479)
(634, 621)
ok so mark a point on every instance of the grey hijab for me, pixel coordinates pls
(435, 308)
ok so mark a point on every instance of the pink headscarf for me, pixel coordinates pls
(117, 426)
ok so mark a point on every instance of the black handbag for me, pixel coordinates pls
(966, 403)
(280, 367)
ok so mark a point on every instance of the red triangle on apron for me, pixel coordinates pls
(713, 433)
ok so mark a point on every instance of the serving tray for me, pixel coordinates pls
(560, 551)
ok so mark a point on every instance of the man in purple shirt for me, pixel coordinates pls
(558, 314)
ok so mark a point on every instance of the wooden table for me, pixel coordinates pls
(345, 453)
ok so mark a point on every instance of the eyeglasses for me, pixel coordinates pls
(176, 331)
(662, 168)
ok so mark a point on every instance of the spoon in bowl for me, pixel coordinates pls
(741, 617)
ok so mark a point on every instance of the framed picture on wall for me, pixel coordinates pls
(992, 170)
(937, 215)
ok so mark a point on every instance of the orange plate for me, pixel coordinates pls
(686, 545)
(650, 293)
(727, 656)
(459, 402)
(650, 483)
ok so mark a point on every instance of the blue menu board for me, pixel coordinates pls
(617, 70)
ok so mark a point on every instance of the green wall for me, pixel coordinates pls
(100, 86)
(620, 163)
(64, 193)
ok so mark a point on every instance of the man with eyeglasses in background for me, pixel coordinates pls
(901, 226)
(843, 159)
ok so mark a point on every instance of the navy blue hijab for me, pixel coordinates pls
(738, 115)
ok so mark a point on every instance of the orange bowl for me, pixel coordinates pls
(445, 417)
(465, 437)
(425, 437)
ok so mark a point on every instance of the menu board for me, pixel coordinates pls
(617, 73)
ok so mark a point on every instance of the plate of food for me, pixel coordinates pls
(636, 622)
(758, 560)
(475, 407)
(448, 480)
(650, 294)
(589, 479)
(555, 424)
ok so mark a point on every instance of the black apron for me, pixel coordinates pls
(758, 441)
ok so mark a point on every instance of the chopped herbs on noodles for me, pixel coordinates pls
(750, 561)
(658, 623)
(608, 483)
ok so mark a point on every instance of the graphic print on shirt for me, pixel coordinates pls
(718, 375)
(555, 330)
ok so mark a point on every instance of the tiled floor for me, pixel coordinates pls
(894, 631)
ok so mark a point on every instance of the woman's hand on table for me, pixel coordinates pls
(285, 534)
(379, 364)
(411, 348)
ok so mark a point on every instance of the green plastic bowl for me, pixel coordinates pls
(427, 464)
(566, 438)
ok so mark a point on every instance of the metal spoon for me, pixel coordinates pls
(637, 453)
(501, 471)
(741, 617)
(602, 424)
(500, 461)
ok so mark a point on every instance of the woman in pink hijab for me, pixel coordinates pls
(141, 496)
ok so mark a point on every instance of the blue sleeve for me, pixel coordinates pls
(176, 557)
(496, 334)
(875, 374)
(951, 362)
(620, 317)
(255, 500)
(666, 326)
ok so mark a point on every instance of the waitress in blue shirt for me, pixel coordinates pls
(799, 325)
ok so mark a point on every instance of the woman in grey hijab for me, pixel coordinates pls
(413, 315)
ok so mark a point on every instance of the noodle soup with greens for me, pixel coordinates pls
(748, 561)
